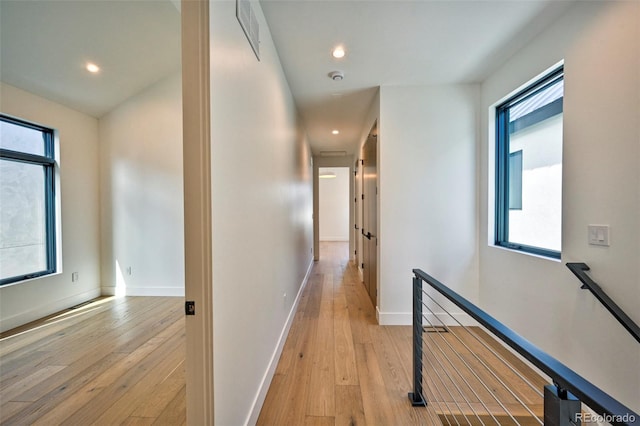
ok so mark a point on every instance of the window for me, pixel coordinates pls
(529, 168)
(515, 180)
(27, 201)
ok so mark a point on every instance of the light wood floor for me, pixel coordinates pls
(121, 361)
(338, 367)
(114, 361)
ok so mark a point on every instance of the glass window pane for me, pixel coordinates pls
(529, 168)
(538, 221)
(515, 180)
(22, 139)
(23, 241)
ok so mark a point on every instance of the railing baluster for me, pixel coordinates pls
(561, 408)
(417, 396)
(562, 401)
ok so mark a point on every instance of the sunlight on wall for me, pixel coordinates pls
(121, 283)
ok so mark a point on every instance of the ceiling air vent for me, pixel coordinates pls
(249, 24)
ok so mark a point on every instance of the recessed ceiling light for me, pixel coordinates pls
(92, 68)
(328, 175)
(333, 153)
(338, 52)
(335, 132)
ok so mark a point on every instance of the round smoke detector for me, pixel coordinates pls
(336, 75)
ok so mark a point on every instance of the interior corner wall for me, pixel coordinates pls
(142, 218)
(261, 213)
(540, 298)
(78, 134)
(427, 193)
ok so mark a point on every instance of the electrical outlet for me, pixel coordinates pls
(128, 270)
(74, 277)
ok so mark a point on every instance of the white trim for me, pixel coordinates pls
(145, 291)
(406, 318)
(258, 401)
(198, 255)
(48, 309)
(334, 239)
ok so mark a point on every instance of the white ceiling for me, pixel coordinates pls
(391, 42)
(44, 45)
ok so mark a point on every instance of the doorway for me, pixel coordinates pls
(333, 191)
(370, 214)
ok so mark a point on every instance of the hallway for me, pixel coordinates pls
(337, 366)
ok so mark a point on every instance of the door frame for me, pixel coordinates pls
(197, 211)
(321, 162)
(370, 205)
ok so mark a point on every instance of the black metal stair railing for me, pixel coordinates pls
(580, 271)
(563, 400)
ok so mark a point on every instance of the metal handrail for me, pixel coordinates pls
(563, 377)
(579, 270)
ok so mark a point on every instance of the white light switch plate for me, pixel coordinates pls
(599, 235)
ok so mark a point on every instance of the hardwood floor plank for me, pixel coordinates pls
(289, 350)
(273, 401)
(10, 393)
(117, 382)
(138, 421)
(164, 392)
(373, 364)
(116, 352)
(321, 398)
(349, 411)
(377, 409)
(345, 355)
(138, 394)
(10, 408)
(176, 412)
(396, 379)
(361, 312)
(319, 421)
(293, 405)
(87, 355)
(121, 361)
(97, 327)
(50, 401)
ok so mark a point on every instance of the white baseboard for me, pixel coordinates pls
(48, 309)
(334, 239)
(254, 412)
(144, 291)
(406, 318)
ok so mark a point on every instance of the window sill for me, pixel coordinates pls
(27, 280)
(526, 253)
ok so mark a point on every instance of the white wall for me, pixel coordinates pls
(261, 213)
(334, 205)
(141, 193)
(427, 192)
(540, 298)
(30, 300)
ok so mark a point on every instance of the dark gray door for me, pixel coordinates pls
(370, 215)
